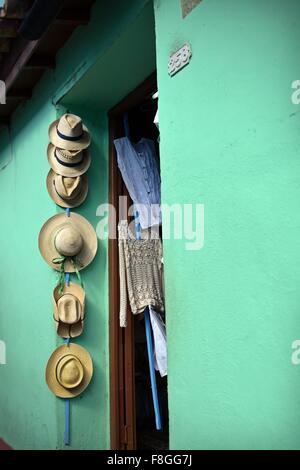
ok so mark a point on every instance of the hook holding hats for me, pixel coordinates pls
(68, 243)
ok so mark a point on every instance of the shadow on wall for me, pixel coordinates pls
(6, 152)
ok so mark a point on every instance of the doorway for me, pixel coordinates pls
(132, 417)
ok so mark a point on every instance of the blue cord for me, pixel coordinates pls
(67, 422)
(138, 229)
(152, 370)
(150, 345)
(67, 400)
(67, 278)
(67, 413)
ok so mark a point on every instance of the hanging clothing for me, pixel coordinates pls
(156, 119)
(140, 272)
(139, 168)
(160, 342)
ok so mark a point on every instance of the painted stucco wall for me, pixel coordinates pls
(230, 139)
(30, 416)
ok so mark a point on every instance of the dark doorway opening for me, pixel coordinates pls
(132, 415)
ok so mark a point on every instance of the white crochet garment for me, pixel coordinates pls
(140, 267)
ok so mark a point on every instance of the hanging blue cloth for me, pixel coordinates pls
(139, 167)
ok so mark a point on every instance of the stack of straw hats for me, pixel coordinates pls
(69, 159)
(68, 243)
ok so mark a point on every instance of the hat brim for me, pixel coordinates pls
(65, 330)
(80, 144)
(65, 170)
(76, 221)
(79, 199)
(86, 361)
(69, 330)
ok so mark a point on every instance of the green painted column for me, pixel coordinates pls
(230, 140)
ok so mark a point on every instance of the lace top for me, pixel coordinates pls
(140, 264)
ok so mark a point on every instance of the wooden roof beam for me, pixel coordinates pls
(74, 17)
(13, 66)
(4, 45)
(8, 28)
(15, 9)
(4, 121)
(19, 94)
(41, 62)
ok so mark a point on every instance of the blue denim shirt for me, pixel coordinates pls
(139, 168)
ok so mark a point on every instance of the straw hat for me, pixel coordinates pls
(67, 238)
(69, 133)
(69, 310)
(68, 162)
(66, 191)
(69, 371)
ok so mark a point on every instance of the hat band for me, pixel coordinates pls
(69, 165)
(67, 137)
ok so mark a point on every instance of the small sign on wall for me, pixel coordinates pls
(188, 5)
(179, 59)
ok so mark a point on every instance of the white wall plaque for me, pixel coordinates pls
(179, 59)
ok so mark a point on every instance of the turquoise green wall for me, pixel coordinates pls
(30, 416)
(230, 139)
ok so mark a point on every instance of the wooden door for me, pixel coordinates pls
(122, 374)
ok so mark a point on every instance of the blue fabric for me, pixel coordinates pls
(139, 168)
(126, 125)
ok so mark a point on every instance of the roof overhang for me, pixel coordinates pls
(23, 61)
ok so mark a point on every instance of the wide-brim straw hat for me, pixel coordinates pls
(71, 238)
(58, 159)
(69, 371)
(67, 191)
(69, 310)
(69, 133)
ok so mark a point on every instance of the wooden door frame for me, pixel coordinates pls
(121, 344)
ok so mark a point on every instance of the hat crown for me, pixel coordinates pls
(67, 187)
(70, 125)
(68, 241)
(69, 371)
(69, 309)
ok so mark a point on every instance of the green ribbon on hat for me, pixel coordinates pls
(61, 261)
